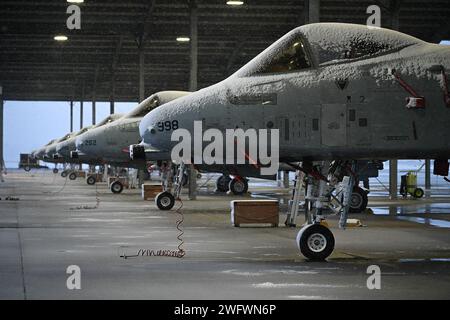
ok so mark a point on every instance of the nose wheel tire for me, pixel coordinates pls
(116, 187)
(238, 186)
(64, 174)
(222, 183)
(315, 242)
(72, 176)
(165, 200)
(358, 200)
(55, 171)
(90, 180)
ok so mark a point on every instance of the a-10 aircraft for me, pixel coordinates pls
(109, 143)
(58, 150)
(337, 93)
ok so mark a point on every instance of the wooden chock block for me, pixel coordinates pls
(150, 191)
(254, 212)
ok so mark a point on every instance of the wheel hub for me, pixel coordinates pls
(317, 242)
(165, 201)
(239, 186)
(355, 200)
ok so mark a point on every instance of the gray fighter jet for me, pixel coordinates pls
(64, 149)
(57, 151)
(337, 93)
(109, 143)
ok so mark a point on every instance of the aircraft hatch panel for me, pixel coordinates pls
(334, 125)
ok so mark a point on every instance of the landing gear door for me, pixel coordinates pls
(334, 125)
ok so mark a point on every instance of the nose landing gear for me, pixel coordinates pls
(166, 200)
(329, 189)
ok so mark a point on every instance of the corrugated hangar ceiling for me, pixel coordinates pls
(104, 52)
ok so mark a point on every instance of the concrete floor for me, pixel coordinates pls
(47, 230)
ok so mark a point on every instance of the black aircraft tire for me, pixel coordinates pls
(72, 176)
(64, 174)
(238, 186)
(116, 187)
(315, 242)
(27, 168)
(55, 171)
(165, 200)
(222, 183)
(358, 200)
(91, 180)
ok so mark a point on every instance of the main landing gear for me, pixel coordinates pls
(237, 185)
(329, 190)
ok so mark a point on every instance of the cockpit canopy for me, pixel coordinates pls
(67, 136)
(155, 100)
(144, 107)
(323, 44)
(108, 119)
(82, 131)
(50, 142)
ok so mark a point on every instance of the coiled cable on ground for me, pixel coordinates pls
(97, 201)
(180, 253)
(61, 189)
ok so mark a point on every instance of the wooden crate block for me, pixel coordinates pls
(81, 174)
(98, 176)
(150, 191)
(254, 212)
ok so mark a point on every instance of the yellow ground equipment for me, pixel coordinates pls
(409, 185)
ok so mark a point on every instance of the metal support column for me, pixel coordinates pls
(71, 116)
(113, 93)
(286, 179)
(141, 70)
(94, 97)
(81, 106)
(393, 181)
(2, 163)
(193, 47)
(394, 9)
(193, 85)
(427, 174)
(312, 10)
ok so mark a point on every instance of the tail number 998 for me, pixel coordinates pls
(167, 125)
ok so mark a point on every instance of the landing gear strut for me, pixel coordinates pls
(166, 200)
